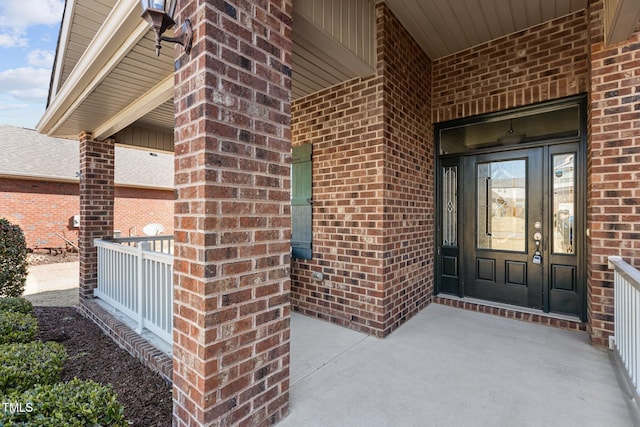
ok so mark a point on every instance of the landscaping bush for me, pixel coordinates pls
(17, 327)
(13, 259)
(75, 403)
(24, 365)
(16, 304)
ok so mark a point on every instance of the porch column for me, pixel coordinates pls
(613, 169)
(96, 205)
(232, 220)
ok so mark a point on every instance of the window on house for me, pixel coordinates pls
(301, 201)
(556, 122)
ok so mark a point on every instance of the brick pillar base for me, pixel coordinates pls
(612, 168)
(232, 221)
(96, 205)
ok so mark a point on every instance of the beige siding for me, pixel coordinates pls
(332, 43)
(144, 137)
(349, 22)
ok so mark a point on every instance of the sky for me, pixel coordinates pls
(28, 37)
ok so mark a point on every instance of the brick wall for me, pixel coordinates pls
(372, 190)
(41, 209)
(613, 168)
(541, 63)
(45, 208)
(344, 124)
(232, 215)
(409, 196)
(137, 207)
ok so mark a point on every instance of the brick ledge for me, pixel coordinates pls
(128, 339)
(513, 312)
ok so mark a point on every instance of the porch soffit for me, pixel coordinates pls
(147, 102)
(446, 27)
(117, 67)
(620, 19)
(114, 71)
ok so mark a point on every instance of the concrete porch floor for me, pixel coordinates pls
(451, 367)
(444, 367)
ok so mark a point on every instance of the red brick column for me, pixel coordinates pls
(613, 168)
(232, 220)
(96, 205)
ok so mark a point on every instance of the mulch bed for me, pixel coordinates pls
(146, 397)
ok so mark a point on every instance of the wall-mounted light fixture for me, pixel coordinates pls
(160, 14)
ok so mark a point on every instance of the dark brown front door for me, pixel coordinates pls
(503, 211)
(521, 242)
(511, 210)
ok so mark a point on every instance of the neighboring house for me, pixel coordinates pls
(476, 154)
(39, 187)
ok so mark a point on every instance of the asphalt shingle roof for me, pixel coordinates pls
(27, 153)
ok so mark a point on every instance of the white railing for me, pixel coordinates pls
(138, 282)
(163, 244)
(626, 340)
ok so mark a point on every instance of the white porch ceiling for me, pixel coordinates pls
(445, 27)
(106, 58)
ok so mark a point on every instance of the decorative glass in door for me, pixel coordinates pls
(501, 205)
(450, 206)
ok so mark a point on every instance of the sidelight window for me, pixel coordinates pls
(450, 206)
(563, 203)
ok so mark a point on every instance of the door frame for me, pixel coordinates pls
(445, 286)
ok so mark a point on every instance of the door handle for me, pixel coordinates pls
(487, 206)
(537, 238)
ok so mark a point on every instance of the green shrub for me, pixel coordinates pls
(75, 403)
(17, 327)
(24, 365)
(13, 259)
(16, 304)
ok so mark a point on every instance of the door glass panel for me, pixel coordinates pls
(560, 122)
(563, 202)
(450, 206)
(502, 199)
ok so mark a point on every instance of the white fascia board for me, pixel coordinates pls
(121, 31)
(149, 101)
(65, 33)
